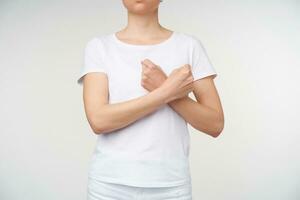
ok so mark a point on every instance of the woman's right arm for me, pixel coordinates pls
(104, 117)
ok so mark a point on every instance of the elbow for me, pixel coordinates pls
(97, 130)
(218, 128)
(99, 126)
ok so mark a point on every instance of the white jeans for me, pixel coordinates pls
(98, 190)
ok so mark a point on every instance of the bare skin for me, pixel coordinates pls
(143, 28)
(104, 117)
(205, 114)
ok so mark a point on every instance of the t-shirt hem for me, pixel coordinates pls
(205, 74)
(148, 184)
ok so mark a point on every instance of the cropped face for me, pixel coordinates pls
(141, 6)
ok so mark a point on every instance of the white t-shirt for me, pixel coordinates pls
(154, 150)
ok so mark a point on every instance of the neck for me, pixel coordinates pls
(146, 25)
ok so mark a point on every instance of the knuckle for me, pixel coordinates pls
(147, 70)
(186, 71)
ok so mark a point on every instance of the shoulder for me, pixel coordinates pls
(92, 43)
(97, 42)
(101, 42)
(192, 40)
(98, 39)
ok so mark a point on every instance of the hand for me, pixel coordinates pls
(179, 83)
(152, 75)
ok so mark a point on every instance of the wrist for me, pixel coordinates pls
(178, 100)
(163, 94)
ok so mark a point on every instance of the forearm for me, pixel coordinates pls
(118, 115)
(197, 115)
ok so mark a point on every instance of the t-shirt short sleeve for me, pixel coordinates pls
(200, 64)
(92, 59)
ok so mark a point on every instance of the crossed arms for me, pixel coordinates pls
(205, 114)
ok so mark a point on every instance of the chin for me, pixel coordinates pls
(140, 8)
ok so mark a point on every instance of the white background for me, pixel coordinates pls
(46, 141)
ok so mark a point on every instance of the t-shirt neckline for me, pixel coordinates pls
(143, 46)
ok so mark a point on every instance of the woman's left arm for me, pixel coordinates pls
(205, 114)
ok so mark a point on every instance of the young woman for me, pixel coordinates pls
(135, 89)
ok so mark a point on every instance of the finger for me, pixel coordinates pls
(144, 66)
(182, 68)
(143, 69)
(187, 66)
(188, 87)
(149, 63)
(144, 77)
(146, 69)
(190, 78)
(159, 67)
(188, 81)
